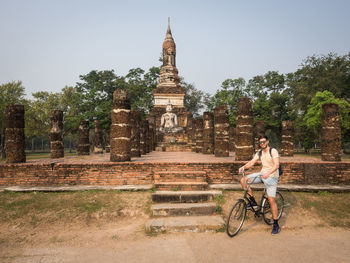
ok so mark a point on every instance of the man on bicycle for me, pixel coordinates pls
(268, 175)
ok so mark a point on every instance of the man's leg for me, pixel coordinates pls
(271, 188)
(251, 178)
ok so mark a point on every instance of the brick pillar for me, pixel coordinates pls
(259, 130)
(14, 134)
(287, 138)
(56, 131)
(244, 142)
(120, 128)
(232, 139)
(331, 133)
(222, 129)
(143, 137)
(84, 144)
(107, 140)
(135, 133)
(98, 140)
(208, 133)
(199, 135)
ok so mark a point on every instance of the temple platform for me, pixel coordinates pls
(98, 170)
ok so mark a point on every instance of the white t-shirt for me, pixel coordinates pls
(267, 161)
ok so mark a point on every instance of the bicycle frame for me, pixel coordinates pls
(256, 211)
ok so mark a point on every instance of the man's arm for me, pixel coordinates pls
(248, 164)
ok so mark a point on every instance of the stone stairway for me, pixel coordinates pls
(182, 202)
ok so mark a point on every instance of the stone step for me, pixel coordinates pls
(183, 209)
(185, 224)
(181, 186)
(180, 176)
(185, 196)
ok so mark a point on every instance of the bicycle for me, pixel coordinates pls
(238, 212)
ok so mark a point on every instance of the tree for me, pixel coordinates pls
(313, 117)
(320, 73)
(231, 90)
(194, 100)
(10, 93)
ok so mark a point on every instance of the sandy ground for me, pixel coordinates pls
(126, 241)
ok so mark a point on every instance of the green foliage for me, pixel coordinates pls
(313, 116)
(10, 93)
(231, 90)
(195, 99)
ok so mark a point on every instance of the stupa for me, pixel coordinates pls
(169, 92)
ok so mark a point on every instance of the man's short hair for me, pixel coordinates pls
(263, 136)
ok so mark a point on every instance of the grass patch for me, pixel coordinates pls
(34, 208)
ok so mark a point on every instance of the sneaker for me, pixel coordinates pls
(276, 229)
(252, 203)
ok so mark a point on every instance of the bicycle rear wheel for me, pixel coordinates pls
(236, 218)
(266, 210)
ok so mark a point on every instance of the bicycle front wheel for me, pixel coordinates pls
(266, 209)
(236, 218)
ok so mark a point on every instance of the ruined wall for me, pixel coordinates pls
(331, 133)
(222, 129)
(14, 134)
(244, 136)
(132, 173)
(120, 128)
(259, 130)
(199, 135)
(287, 138)
(208, 133)
(135, 133)
(98, 139)
(83, 137)
(56, 131)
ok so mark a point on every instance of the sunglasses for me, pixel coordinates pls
(262, 142)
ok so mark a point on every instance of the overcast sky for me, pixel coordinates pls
(47, 44)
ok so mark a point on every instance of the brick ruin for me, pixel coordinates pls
(331, 133)
(287, 138)
(98, 139)
(199, 135)
(244, 123)
(14, 134)
(232, 138)
(83, 135)
(56, 132)
(120, 128)
(143, 136)
(135, 133)
(208, 133)
(222, 129)
(259, 130)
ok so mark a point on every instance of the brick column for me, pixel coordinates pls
(199, 135)
(208, 133)
(107, 140)
(98, 140)
(14, 134)
(143, 136)
(259, 130)
(56, 131)
(222, 129)
(150, 137)
(120, 128)
(83, 134)
(331, 133)
(287, 138)
(135, 133)
(244, 123)
(232, 139)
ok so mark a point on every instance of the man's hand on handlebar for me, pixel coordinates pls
(241, 169)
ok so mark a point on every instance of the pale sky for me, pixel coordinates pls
(47, 44)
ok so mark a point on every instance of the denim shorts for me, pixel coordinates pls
(270, 183)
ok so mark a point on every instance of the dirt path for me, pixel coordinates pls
(127, 242)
